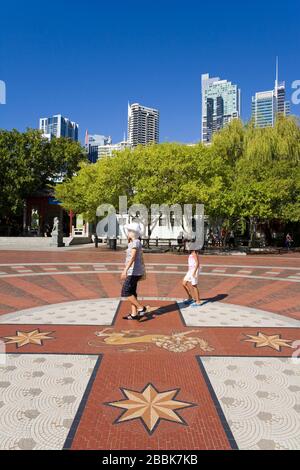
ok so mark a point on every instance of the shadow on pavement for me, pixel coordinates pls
(216, 298)
(174, 307)
(160, 311)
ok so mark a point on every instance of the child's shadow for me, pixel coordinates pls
(174, 307)
(216, 298)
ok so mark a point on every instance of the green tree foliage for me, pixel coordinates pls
(28, 163)
(245, 173)
(267, 173)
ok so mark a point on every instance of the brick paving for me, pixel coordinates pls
(221, 376)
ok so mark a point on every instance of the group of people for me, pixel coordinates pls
(221, 238)
(134, 272)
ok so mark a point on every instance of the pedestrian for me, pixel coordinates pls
(288, 241)
(134, 271)
(231, 239)
(180, 241)
(211, 240)
(190, 280)
(223, 236)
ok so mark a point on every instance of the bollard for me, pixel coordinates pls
(113, 243)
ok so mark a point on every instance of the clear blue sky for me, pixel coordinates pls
(86, 59)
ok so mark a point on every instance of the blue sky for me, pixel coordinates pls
(86, 59)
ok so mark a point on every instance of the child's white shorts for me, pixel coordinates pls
(190, 278)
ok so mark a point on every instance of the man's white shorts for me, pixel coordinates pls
(190, 278)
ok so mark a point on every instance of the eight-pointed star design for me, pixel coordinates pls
(28, 337)
(262, 340)
(150, 406)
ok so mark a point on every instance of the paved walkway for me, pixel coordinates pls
(77, 375)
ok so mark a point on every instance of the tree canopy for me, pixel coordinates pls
(29, 162)
(245, 172)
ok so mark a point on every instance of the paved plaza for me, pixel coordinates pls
(76, 375)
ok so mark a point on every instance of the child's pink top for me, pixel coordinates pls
(192, 262)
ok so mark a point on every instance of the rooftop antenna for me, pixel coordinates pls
(276, 79)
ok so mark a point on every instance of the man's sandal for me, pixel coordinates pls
(131, 317)
(139, 314)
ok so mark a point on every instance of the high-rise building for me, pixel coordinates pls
(267, 104)
(92, 144)
(59, 126)
(143, 125)
(221, 103)
(264, 108)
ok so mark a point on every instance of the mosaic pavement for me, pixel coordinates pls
(82, 312)
(221, 314)
(102, 312)
(40, 396)
(260, 400)
(202, 395)
(76, 375)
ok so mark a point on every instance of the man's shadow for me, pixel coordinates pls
(174, 307)
(160, 311)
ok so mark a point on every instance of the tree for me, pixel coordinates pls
(28, 163)
(267, 174)
(155, 174)
(246, 174)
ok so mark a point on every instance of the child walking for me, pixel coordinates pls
(133, 272)
(190, 280)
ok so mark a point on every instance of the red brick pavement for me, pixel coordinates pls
(21, 291)
(93, 255)
(98, 431)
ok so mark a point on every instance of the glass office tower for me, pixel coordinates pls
(59, 126)
(220, 104)
(264, 108)
(266, 105)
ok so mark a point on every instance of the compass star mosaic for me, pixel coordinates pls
(150, 406)
(22, 338)
(262, 340)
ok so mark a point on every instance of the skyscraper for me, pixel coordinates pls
(92, 144)
(59, 126)
(143, 125)
(267, 104)
(220, 104)
(264, 108)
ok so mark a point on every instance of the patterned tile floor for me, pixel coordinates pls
(81, 312)
(221, 314)
(74, 374)
(260, 399)
(40, 396)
